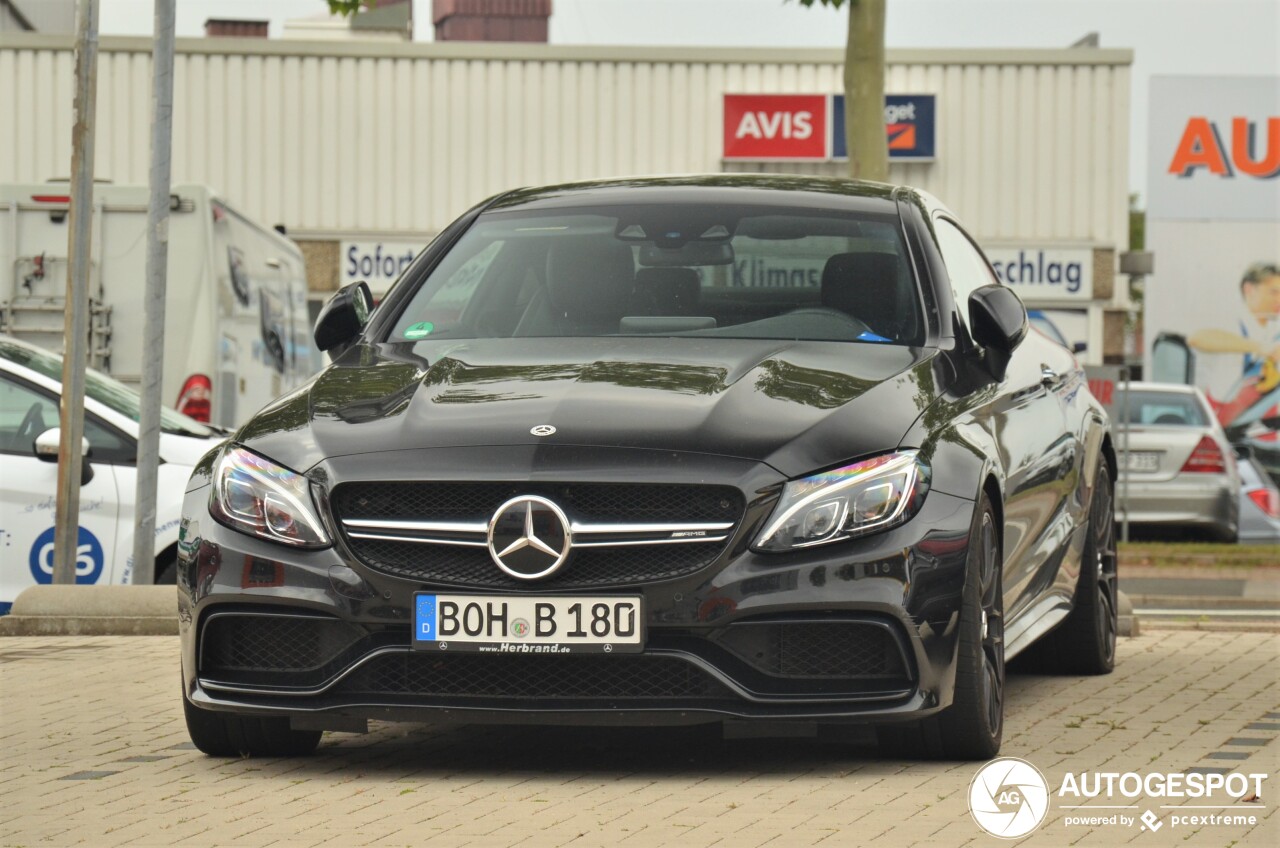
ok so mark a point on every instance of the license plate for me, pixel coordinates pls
(528, 624)
(1144, 461)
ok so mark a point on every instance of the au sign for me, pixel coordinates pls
(1201, 146)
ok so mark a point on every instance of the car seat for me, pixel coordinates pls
(866, 286)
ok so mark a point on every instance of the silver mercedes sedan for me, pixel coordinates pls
(1181, 471)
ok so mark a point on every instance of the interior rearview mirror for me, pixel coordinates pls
(343, 318)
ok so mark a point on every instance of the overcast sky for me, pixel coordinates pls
(1167, 36)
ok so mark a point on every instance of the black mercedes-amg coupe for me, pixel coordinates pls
(659, 451)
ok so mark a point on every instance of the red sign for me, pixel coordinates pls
(775, 126)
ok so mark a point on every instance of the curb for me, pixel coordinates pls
(93, 611)
(1205, 602)
(1126, 618)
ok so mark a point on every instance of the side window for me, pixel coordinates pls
(26, 412)
(443, 308)
(966, 267)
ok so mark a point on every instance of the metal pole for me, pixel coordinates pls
(66, 534)
(144, 539)
(1124, 456)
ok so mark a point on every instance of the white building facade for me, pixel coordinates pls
(377, 146)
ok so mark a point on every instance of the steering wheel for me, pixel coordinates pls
(32, 425)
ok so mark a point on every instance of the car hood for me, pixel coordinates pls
(186, 450)
(797, 406)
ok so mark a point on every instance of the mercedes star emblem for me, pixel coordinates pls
(543, 430)
(529, 537)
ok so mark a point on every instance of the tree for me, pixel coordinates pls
(864, 88)
(347, 8)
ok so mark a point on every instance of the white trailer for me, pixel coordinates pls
(237, 331)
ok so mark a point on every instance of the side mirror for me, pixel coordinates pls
(46, 445)
(997, 318)
(46, 450)
(343, 318)
(1079, 347)
(998, 321)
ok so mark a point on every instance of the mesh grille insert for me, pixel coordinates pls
(592, 502)
(821, 649)
(532, 677)
(233, 644)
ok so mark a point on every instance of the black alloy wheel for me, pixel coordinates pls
(1085, 642)
(972, 727)
(992, 627)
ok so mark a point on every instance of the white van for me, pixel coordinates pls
(237, 331)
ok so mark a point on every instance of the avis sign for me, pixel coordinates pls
(776, 126)
(810, 127)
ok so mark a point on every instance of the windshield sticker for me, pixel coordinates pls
(420, 330)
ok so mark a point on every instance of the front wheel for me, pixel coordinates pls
(1085, 643)
(972, 727)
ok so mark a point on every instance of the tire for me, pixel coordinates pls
(1085, 643)
(229, 735)
(972, 727)
(166, 573)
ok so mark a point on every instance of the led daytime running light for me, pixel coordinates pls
(900, 472)
(277, 499)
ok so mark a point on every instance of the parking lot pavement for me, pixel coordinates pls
(94, 752)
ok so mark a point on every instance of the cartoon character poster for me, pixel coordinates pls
(1213, 223)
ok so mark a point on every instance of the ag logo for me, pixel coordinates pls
(1008, 798)
(88, 557)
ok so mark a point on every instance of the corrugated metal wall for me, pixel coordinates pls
(349, 138)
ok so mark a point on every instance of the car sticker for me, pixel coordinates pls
(420, 330)
(89, 557)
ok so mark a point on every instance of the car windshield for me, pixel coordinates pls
(1176, 409)
(101, 388)
(672, 270)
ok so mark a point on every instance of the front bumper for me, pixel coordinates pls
(873, 622)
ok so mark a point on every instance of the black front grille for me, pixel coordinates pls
(586, 567)
(531, 676)
(584, 502)
(590, 502)
(819, 649)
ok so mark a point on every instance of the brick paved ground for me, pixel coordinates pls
(93, 751)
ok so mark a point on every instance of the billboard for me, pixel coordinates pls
(909, 126)
(1213, 222)
(810, 127)
(776, 126)
(1214, 149)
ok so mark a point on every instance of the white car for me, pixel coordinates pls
(30, 390)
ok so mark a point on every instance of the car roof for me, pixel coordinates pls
(754, 189)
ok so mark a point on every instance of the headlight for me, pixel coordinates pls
(862, 498)
(258, 497)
